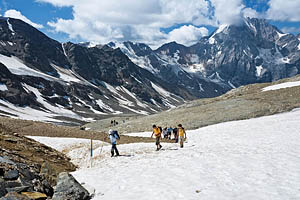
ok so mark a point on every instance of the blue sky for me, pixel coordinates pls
(150, 21)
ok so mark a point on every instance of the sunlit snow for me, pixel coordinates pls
(282, 85)
(10, 27)
(16, 66)
(3, 87)
(259, 70)
(247, 159)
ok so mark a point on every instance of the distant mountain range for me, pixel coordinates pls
(45, 80)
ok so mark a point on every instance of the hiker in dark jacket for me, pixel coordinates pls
(175, 132)
(113, 136)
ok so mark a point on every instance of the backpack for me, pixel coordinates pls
(160, 129)
(116, 135)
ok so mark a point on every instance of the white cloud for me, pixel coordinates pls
(249, 12)
(18, 15)
(288, 10)
(58, 3)
(228, 11)
(142, 20)
(187, 35)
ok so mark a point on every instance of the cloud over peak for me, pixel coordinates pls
(144, 20)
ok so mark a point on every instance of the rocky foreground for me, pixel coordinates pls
(30, 170)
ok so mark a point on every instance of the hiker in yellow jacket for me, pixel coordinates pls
(157, 133)
(181, 134)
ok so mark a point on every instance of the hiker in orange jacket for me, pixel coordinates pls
(157, 133)
(181, 134)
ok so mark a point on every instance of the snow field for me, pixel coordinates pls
(250, 159)
(281, 86)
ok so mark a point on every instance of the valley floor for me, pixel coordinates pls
(250, 159)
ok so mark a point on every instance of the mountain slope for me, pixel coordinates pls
(42, 79)
(231, 56)
(242, 103)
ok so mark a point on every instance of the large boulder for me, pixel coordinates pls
(68, 188)
(14, 196)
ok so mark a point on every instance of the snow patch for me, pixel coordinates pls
(211, 40)
(142, 112)
(160, 90)
(104, 106)
(26, 113)
(10, 27)
(136, 79)
(282, 86)
(247, 159)
(16, 66)
(66, 74)
(2, 43)
(141, 61)
(221, 28)
(3, 87)
(195, 68)
(57, 111)
(280, 35)
(259, 70)
(285, 60)
(231, 85)
(62, 45)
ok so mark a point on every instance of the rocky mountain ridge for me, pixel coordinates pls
(45, 80)
(254, 52)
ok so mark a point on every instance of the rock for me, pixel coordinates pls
(2, 189)
(28, 175)
(2, 172)
(35, 195)
(6, 160)
(18, 189)
(12, 184)
(11, 140)
(11, 175)
(14, 196)
(47, 188)
(68, 188)
(48, 171)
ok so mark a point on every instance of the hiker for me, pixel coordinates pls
(181, 134)
(165, 132)
(157, 133)
(114, 136)
(169, 132)
(175, 131)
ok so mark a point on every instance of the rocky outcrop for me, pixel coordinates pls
(68, 188)
(28, 167)
(23, 179)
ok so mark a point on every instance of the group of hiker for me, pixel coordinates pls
(178, 132)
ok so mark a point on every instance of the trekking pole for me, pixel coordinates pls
(91, 152)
